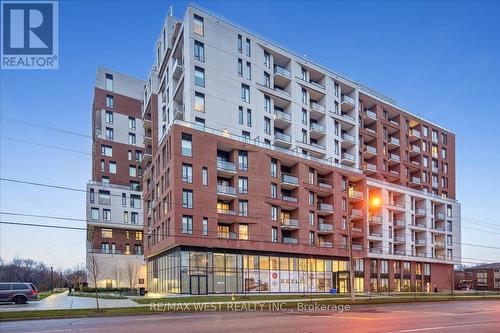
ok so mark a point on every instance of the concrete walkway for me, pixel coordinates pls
(63, 301)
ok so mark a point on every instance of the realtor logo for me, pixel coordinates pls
(29, 35)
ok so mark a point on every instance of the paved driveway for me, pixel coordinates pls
(62, 301)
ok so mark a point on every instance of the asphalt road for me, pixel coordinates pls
(460, 316)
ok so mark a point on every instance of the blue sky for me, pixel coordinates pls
(438, 59)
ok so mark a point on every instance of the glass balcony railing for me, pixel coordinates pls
(283, 115)
(282, 137)
(226, 189)
(348, 137)
(325, 244)
(400, 239)
(347, 99)
(399, 223)
(289, 179)
(370, 149)
(394, 157)
(415, 133)
(375, 219)
(357, 213)
(317, 107)
(226, 211)
(347, 156)
(376, 250)
(325, 227)
(394, 141)
(325, 207)
(357, 246)
(291, 223)
(421, 241)
(289, 199)
(227, 235)
(290, 240)
(371, 114)
(415, 180)
(226, 166)
(282, 71)
(318, 128)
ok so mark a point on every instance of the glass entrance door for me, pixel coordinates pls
(198, 284)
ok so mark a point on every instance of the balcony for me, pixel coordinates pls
(281, 74)
(227, 212)
(399, 239)
(317, 84)
(324, 228)
(290, 240)
(316, 107)
(282, 140)
(375, 219)
(435, 169)
(394, 159)
(289, 224)
(282, 118)
(348, 158)
(399, 252)
(226, 191)
(179, 112)
(325, 244)
(227, 235)
(375, 234)
(369, 168)
(370, 151)
(357, 246)
(348, 101)
(393, 142)
(348, 140)
(414, 150)
(414, 134)
(438, 229)
(439, 245)
(439, 216)
(399, 224)
(177, 68)
(376, 250)
(415, 180)
(324, 208)
(435, 184)
(371, 114)
(420, 212)
(289, 181)
(317, 130)
(225, 168)
(356, 213)
(354, 195)
(420, 242)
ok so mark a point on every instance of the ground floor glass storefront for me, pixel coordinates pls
(195, 271)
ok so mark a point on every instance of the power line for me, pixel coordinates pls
(44, 145)
(50, 128)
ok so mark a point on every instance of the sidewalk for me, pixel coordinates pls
(63, 301)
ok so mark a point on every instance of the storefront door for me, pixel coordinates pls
(198, 285)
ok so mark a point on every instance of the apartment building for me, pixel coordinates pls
(479, 277)
(263, 168)
(114, 194)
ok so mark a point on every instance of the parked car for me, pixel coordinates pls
(17, 292)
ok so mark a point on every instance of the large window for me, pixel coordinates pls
(94, 214)
(108, 117)
(245, 93)
(187, 224)
(109, 82)
(110, 101)
(187, 145)
(204, 176)
(107, 151)
(243, 160)
(135, 201)
(243, 231)
(132, 140)
(243, 207)
(199, 51)
(243, 185)
(112, 167)
(132, 171)
(187, 199)
(187, 173)
(198, 27)
(199, 76)
(106, 215)
(132, 123)
(104, 197)
(106, 233)
(205, 226)
(199, 102)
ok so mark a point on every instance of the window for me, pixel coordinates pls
(187, 173)
(108, 116)
(109, 82)
(199, 102)
(106, 233)
(304, 117)
(132, 171)
(138, 156)
(311, 218)
(110, 101)
(138, 235)
(199, 121)
(138, 251)
(249, 118)
(304, 136)
(274, 234)
(311, 198)
(187, 225)
(249, 71)
(304, 96)
(274, 213)
(243, 185)
(274, 168)
(443, 153)
(243, 207)
(267, 103)
(131, 123)
(267, 126)
(267, 79)
(384, 267)
(187, 199)
(240, 115)
(336, 89)
(125, 220)
(187, 145)
(204, 226)
(240, 44)
(240, 67)
(134, 217)
(344, 223)
(199, 51)
(247, 47)
(132, 139)
(274, 191)
(109, 134)
(112, 167)
(444, 138)
(425, 131)
(267, 59)
(434, 136)
(243, 160)
(204, 176)
(198, 25)
(106, 215)
(91, 196)
(243, 231)
(135, 201)
(104, 197)
(94, 214)
(245, 93)
(199, 76)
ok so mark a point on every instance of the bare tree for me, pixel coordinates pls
(116, 273)
(131, 273)
(94, 271)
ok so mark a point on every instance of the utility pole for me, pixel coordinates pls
(51, 279)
